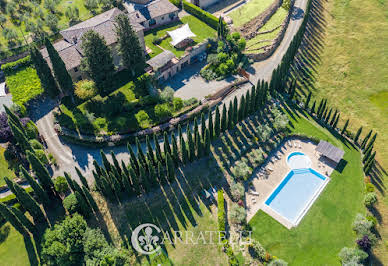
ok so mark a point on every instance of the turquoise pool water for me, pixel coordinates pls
(296, 193)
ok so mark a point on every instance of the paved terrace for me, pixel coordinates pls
(276, 164)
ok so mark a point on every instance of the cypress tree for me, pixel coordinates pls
(166, 143)
(333, 118)
(44, 73)
(115, 162)
(366, 140)
(217, 123)
(308, 99)
(367, 154)
(207, 142)
(20, 137)
(372, 158)
(170, 168)
(127, 185)
(230, 115)
(84, 207)
(252, 102)
(235, 111)
(345, 127)
(160, 173)
(105, 161)
(210, 124)
(372, 141)
(336, 121)
(13, 117)
(82, 178)
(195, 130)
(175, 152)
(327, 118)
(241, 109)
(140, 153)
(25, 199)
(203, 125)
(23, 219)
(143, 178)
(133, 158)
(70, 181)
(150, 151)
(129, 45)
(184, 152)
(246, 106)
(152, 175)
(78, 188)
(135, 180)
(224, 121)
(40, 172)
(198, 146)
(38, 190)
(356, 137)
(191, 144)
(59, 68)
(157, 148)
(313, 108)
(90, 199)
(12, 219)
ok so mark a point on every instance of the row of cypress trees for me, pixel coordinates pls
(147, 169)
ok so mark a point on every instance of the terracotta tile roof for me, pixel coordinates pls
(161, 60)
(152, 10)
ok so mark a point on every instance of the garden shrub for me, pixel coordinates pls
(352, 256)
(278, 262)
(241, 170)
(370, 199)
(5, 131)
(60, 184)
(237, 214)
(372, 219)
(31, 130)
(143, 119)
(361, 225)
(257, 250)
(177, 103)
(20, 110)
(9, 68)
(85, 89)
(35, 144)
(167, 95)
(364, 243)
(162, 111)
(41, 156)
(71, 204)
(369, 187)
(238, 191)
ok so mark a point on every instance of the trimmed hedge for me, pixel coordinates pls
(9, 68)
(221, 211)
(206, 17)
(176, 3)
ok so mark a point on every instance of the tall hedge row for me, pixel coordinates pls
(198, 12)
(10, 67)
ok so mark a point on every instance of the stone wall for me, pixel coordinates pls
(270, 49)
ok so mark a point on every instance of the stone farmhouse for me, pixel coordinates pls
(69, 48)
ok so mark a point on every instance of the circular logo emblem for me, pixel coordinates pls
(146, 241)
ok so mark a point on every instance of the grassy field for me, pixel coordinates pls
(326, 228)
(198, 27)
(248, 11)
(63, 21)
(12, 247)
(4, 171)
(275, 21)
(353, 75)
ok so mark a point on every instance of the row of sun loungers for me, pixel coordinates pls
(295, 144)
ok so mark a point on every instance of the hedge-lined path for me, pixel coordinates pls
(71, 155)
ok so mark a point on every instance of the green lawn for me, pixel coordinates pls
(4, 171)
(326, 228)
(275, 21)
(12, 247)
(353, 74)
(249, 11)
(198, 27)
(24, 85)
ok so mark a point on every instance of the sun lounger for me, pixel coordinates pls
(255, 193)
(300, 146)
(289, 143)
(295, 145)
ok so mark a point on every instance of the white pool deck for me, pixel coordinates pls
(265, 184)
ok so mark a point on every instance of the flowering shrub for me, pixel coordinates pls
(352, 256)
(370, 199)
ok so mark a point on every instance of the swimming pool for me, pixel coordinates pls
(298, 190)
